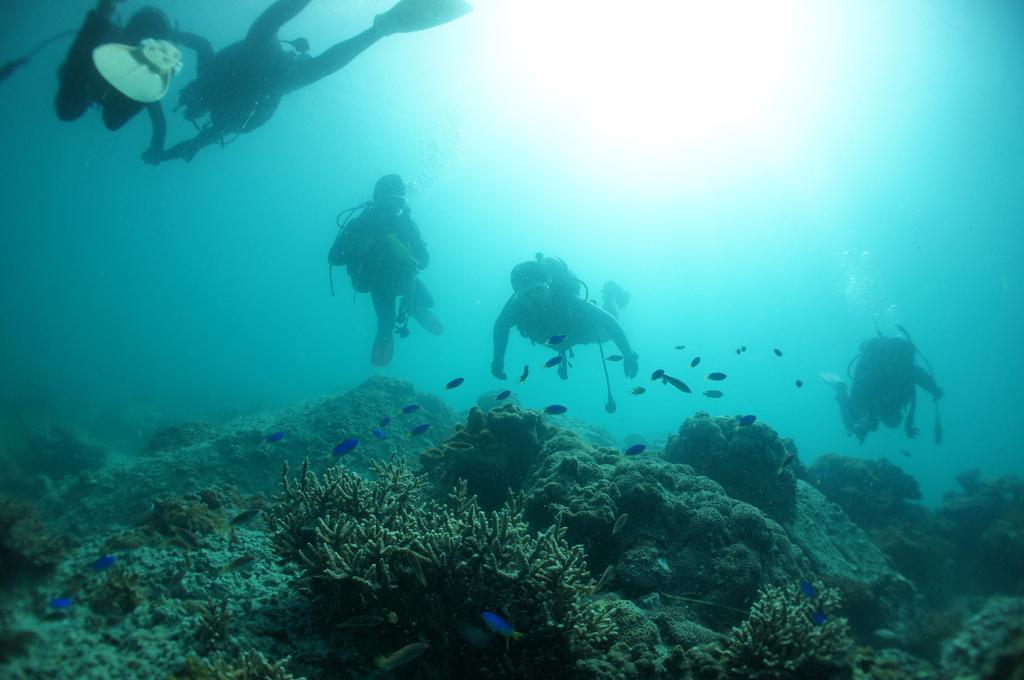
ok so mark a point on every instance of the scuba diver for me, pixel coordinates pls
(238, 88)
(384, 252)
(546, 307)
(122, 79)
(885, 379)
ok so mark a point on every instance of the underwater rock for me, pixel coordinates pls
(985, 524)
(195, 456)
(872, 493)
(843, 555)
(751, 462)
(27, 548)
(60, 451)
(180, 437)
(991, 644)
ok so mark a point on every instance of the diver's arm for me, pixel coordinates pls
(153, 154)
(308, 71)
(926, 381)
(417, 247)
(603, 321)
(504, 323)
(189, 148)
(198, 44)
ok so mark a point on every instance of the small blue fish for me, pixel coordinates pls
(379, 433)
(555, 409)
(411, 408)
(553, 361)
(819, 617)
(385, 421)
(717, 375)
(61, 603)
(419, 429)
(808, 589)
(660, 373)
(346, 446)
(636, 449)
(747, 420)
(453, 383)
(696, 360)
(500, 626)
(504, 394)
(556, 339)
(799, 383)
(104, 563)
(276, 437)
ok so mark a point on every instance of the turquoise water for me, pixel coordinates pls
(764, 179)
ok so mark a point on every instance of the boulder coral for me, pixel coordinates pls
(751, 462)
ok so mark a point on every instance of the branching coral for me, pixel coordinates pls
(780, 638)
(248, 666)
(378, 545)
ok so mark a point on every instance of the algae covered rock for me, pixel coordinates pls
(991, 644)
(751, 462)
(985, 523)
(59, 451)
(871, 492)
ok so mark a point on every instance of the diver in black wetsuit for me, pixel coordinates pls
(238, 89)
(81, 84)
(385, 253)
(885, 382)
(547, 303)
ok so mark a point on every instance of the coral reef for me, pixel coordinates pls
(380, 546)
(180, 436)
(493, 452)
(751, 462)
(780, 638)
(991, 643)
(60, 451)
(27, 548)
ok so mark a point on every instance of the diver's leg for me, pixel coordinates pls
(188, 149)
(308, 71)
(420, 309)
(78, 77)
(383, 344)
(273, 18)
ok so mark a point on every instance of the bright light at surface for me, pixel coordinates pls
(697, 87)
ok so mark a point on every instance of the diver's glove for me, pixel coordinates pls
(152, 156)
(498, 370)
(630, 365)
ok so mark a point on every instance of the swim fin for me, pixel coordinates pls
(408, 16)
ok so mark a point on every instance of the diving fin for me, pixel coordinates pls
(408, 16)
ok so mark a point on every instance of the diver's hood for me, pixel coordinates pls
(143, 72)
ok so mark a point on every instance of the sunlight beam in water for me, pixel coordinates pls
(683, 87)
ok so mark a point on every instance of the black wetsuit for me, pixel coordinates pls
(241, 86)
(540, 312)
(384, 255)
(885, 382)
(81, 85)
